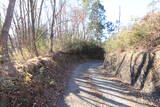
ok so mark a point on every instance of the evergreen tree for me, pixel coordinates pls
(97, 20)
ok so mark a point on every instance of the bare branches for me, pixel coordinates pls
(37, 22)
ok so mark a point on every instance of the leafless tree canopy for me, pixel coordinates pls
(32, 26)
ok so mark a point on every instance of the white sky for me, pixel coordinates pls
(129, 9)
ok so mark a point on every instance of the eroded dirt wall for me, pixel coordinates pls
(140, 69)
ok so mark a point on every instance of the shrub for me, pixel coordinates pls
(80, 46)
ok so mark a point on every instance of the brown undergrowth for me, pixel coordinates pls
(38, 82)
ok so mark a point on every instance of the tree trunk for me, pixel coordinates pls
(34, 47)
(53, 22)
(5, 29)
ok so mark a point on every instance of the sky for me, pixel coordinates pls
(129, 9)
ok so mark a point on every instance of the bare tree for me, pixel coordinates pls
(33, 26)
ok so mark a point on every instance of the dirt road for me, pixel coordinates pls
(87, 87)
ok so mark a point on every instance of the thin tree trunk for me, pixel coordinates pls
(53, 22)
(40, 13)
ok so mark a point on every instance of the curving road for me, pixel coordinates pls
(88, 87)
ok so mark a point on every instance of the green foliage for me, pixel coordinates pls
(97, 20)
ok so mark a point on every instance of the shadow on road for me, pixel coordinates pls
(87, 87)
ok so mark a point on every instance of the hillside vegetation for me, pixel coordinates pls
(144, 34)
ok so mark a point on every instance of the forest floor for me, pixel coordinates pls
(89, 86)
